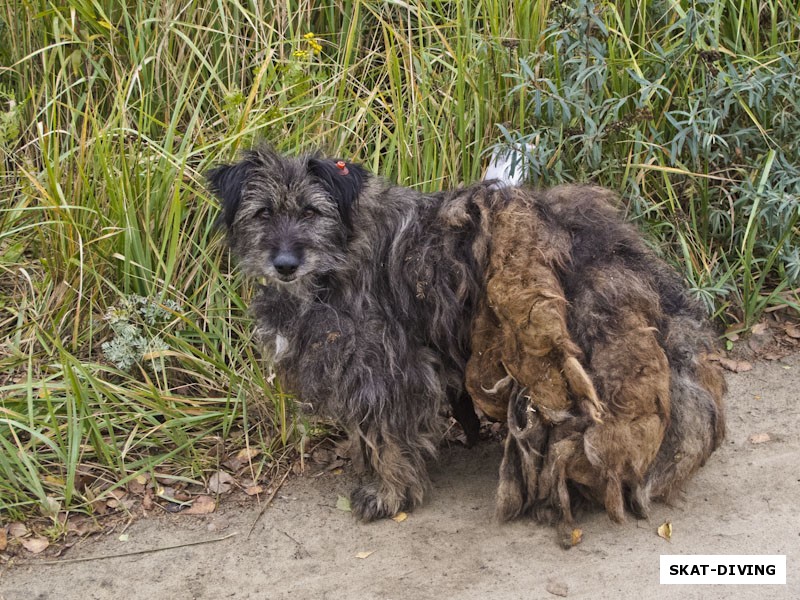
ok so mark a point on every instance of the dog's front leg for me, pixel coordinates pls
(401, 477)
(386, 394)
(389, 397)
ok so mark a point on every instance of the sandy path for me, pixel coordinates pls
(745, 501)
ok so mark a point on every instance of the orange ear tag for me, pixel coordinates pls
(343, 167)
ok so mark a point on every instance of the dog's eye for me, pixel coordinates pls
(265, 212)
(309, 212)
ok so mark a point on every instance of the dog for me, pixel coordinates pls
(372, 294)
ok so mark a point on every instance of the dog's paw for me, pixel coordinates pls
(639, 501)
(545, 515)
(368, 504)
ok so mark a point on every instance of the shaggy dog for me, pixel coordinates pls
(375, 294)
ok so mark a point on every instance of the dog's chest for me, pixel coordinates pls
(281, 346)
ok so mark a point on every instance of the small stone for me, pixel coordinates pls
(557, 588)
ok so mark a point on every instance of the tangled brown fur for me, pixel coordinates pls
(590, 347)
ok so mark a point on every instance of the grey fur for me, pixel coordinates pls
(376, 317)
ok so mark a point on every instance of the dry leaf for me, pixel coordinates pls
(243, 457)
(665, 531)
(247, 453)
(558, 588)
(3, 539)
(759, 438)
(35, 545)
(758, 329)
(220, 482)
(254, 489)
(99, 507)
(364, 554)
(118, 493)
(17, 530)
(576, 538)
(136, 487)
(343, 503)
(166, 479)
(792, 330)
(202, 505)
(167, 492)
(181, 496)
(400, 517)
(82, 525)
(737, 366)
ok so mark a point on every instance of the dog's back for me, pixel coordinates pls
(610, 270)
(569, 283)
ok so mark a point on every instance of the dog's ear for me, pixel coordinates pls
(226, 182)
(343, 181)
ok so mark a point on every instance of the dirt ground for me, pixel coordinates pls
(744, 501)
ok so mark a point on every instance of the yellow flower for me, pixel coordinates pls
(312, 41)
(300, 53)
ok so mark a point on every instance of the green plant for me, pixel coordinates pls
(698, 133)
(111, 111)
(133, 321)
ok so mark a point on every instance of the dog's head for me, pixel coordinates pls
(288, 219)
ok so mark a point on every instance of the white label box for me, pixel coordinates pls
(723, 569)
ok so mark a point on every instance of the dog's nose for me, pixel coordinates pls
(286, 263)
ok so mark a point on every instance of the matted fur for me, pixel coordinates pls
(367, 308)
(567, 280)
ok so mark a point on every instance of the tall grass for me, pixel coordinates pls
(125, 343)
(692, 114)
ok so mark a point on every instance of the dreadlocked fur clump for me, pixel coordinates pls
(571, 287)
(374, 296)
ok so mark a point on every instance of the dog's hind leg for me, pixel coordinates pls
(464, 413)
(522, 458)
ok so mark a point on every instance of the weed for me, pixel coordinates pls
(111, 112)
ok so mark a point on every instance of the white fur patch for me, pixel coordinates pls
(281, 345)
